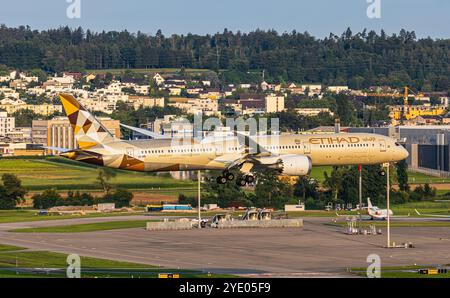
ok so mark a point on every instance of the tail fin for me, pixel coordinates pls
(88, 131)
(369, 203)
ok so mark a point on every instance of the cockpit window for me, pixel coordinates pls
(397, 144)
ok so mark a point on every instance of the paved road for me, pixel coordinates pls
(316, 249)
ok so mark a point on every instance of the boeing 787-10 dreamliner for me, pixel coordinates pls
(290, 154)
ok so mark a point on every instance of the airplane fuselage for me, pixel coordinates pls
(188, 154)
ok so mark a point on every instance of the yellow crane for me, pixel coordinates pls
(410, 112)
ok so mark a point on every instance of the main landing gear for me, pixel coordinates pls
(226, 176)
(242, 181)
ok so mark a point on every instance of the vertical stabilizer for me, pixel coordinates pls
(88, 131)
(369, 203)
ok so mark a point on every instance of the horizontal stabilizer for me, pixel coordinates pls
(62, 150)
(145, 132)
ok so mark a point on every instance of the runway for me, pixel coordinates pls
(314, 250)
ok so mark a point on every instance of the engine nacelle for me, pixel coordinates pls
(295, 165)
(291, 164)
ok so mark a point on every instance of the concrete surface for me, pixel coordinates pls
(314, 250)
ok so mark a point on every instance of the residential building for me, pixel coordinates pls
(146, 102)
(7, 124)
(274, 103)
(337, 89)
(313, 111)
(170, 125)
(158, 79)
(45, 109)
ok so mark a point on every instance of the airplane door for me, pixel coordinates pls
(382, 146)
(218, 147)
(306, 148)
(130, 151)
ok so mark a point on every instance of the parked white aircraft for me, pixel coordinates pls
(377, 213)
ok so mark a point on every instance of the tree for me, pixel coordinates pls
(11, 192)
(402, 175)
(270, 191)
(42, 75)
(103, 178)
(306, 187)
(121, 197)
(334, 181)
(225, 195)
(49, 198)
(356, 59)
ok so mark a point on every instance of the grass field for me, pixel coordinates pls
(100, 226)
(53, 172)
(4, 248)
(61, 174)
(7, 216)
(419, 178)
(423, 207)
(22, 264)
(413, 177)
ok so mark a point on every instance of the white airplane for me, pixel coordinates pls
(377, 213)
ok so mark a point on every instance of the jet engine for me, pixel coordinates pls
(291, 165)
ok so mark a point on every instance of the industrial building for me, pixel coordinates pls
(57, 132)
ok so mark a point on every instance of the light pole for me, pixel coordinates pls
(360, 186)
(199, 178)
(388, 206)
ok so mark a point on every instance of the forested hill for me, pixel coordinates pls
(358, 59)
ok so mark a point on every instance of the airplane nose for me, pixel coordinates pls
(404, 154)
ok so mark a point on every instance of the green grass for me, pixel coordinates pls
(436, 208)
(61, 174)
(8, 216)
(4, 248)
(413, 177)
(318, 172)
(419, 178)
(90, 267)
(100, 226)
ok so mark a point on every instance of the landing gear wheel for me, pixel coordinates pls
(241, 182)
(221, 180)
(229, 176)
(249, 179)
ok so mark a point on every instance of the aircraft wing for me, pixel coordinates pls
(62, 150)
(432, 215)
(145, 132)
(252, 144)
